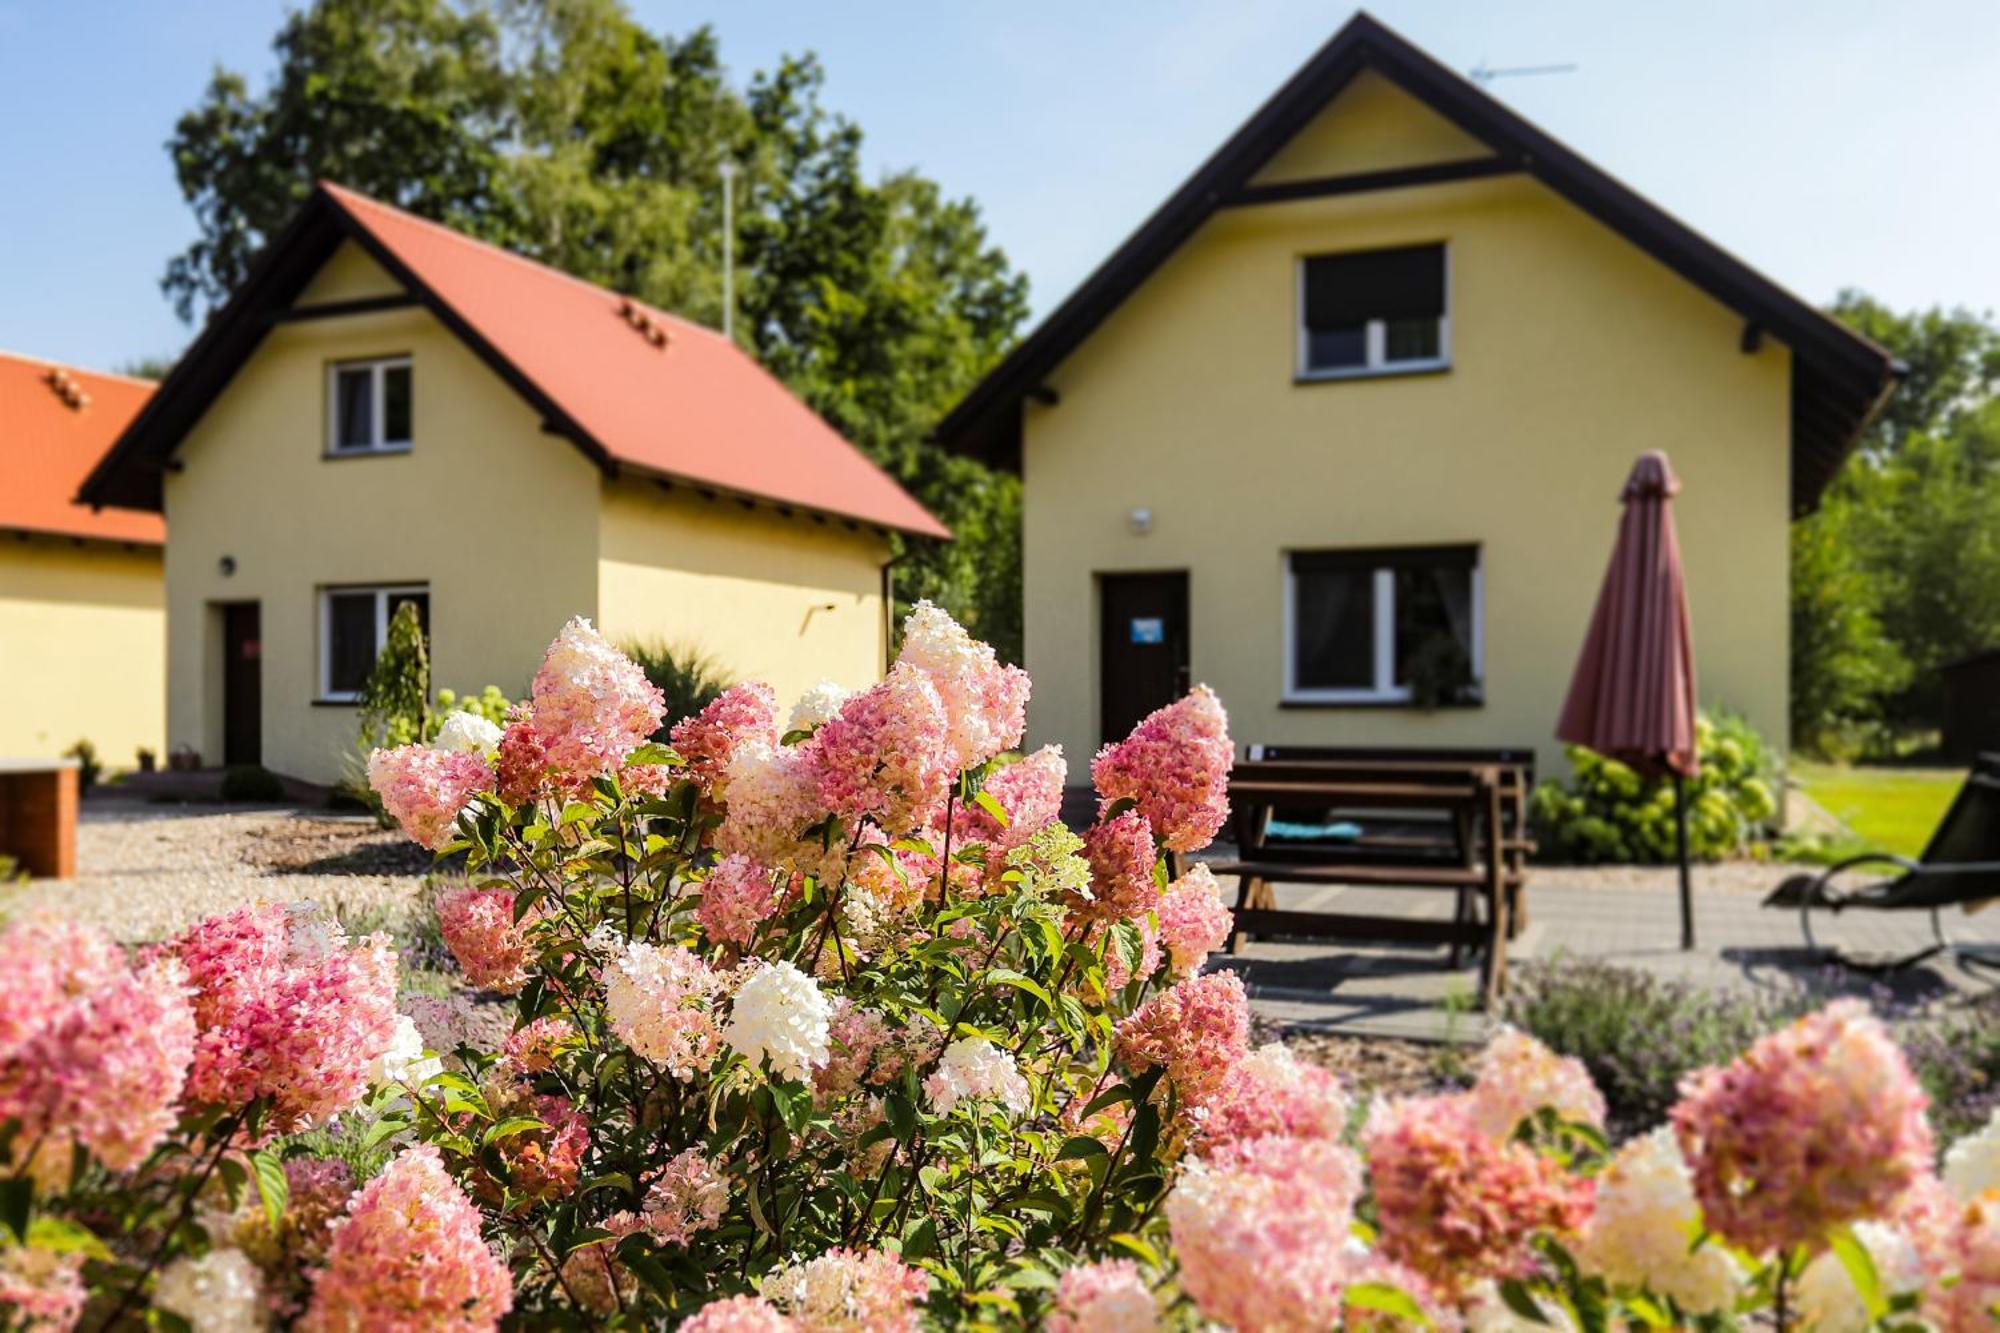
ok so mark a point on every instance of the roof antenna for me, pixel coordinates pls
(1484, 73)
(728, 170)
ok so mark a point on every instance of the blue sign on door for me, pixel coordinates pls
(1148, 629)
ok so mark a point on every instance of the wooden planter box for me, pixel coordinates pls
(38, 800)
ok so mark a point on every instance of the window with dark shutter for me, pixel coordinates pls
(1372, 310)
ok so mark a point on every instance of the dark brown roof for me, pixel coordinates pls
(1839, 378)
(632, 386)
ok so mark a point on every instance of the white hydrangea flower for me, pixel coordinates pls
(781, 1015)
(819, 703)
(1646, 1218)
(221, 1292)
(468, 733)
(404, 1060)
(657, 1000)
(1827, 1300)
(310, 933)
(1972, 1166)
(1487, 1312)
(974, 1069)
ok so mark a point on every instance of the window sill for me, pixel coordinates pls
(1371, 373)
(389, 450)
(336, 703)
(1386, 702)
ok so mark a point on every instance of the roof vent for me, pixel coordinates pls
(642, 323)
(66, 388)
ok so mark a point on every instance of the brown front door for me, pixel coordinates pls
(1144, 648)
(242, 685)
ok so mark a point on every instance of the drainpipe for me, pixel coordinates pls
(889, 607)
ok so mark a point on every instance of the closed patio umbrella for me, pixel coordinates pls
(1632, 695)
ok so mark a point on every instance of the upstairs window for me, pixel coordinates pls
(353, 626)
(1394, 626)
(1373, 312)
(369, 406)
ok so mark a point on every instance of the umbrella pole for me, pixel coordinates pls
(1681, 842)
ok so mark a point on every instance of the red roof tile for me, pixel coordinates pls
(55, 424)
(696, 407)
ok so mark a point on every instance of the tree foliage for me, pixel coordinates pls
(1898, 574)
(565, 130)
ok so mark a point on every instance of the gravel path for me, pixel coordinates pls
(145, 871)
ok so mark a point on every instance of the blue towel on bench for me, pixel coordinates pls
(1290, 831)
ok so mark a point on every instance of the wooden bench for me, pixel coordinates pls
(1464, 819)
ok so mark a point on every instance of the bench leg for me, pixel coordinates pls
(1517, 910)
(1461, 915)
(1254, 893)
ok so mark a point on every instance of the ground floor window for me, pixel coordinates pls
(1398, 625)
(353, 626)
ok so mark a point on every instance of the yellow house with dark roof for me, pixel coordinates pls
(1341, 428)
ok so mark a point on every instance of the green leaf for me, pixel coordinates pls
(1135, 1247)
(652, 752)
(1080, 1146)
(272, 1187)
(1393, 1301)
(1002, 976)
(1860, 1266)
(17, 1201)
(512, 1125)
(1521, 1302)
(986, 801)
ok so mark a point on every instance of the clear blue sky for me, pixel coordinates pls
(1828, 142)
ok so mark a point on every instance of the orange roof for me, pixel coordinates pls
(631, 386)
(55, 424)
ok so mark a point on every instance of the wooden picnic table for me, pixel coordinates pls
(1480, 801)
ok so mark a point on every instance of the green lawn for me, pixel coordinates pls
(1894, 809)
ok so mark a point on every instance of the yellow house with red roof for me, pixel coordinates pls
(390, 411)
(82, 599)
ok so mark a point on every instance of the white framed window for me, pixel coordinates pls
(1399, 625)
(353, 626)
(369, 406)
(1374, 312)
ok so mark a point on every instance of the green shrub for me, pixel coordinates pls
(394, 704)
(690, 679)
(88, 769)
(1608, 812)
(1638, 1034)
(250, 782)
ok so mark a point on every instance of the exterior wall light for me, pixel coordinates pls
(1140, 520)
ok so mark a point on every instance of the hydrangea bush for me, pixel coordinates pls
(832, 1025)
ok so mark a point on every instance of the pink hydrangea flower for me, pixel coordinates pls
(1815, 1126)
(771, 799)
(408, 1256)
(93, 1052)
(1175, 764)
(1519, 1076)
(684, 1198)
(542, 1164)
(659, 1001)
(1457, 1205)
(592, 704)
(739, 1314)
(1270, 1091)
(1030, 790)
(534, 1047)
(592, 1276)
(1121, 856)
(985, 703)
(736, 898)
(1964, 1301)
(1262, 1233)
(317, 1191)
(886, 756)
(1109, 1296)
(1198, 1030)
(286, 1009)
(425, 789)
(850, 1291)
(41, 1288)
(854, 1036)
(1194, 921)
(524, 769)
(740, 715)
(491, 947)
